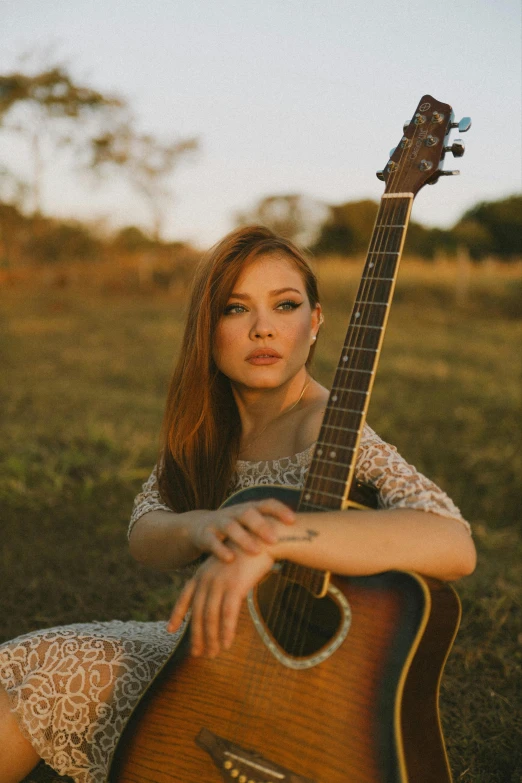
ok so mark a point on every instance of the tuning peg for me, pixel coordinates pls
(392, 151)
(458, 148)
(463, 126)
(380, 175)
(448, 173)
(406, 124)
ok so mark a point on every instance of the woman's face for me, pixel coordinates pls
(264, 336)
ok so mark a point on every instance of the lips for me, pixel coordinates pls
(263, 352)
(263, 356)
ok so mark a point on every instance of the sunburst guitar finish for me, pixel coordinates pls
(339, 689)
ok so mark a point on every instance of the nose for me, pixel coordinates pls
(262, 327)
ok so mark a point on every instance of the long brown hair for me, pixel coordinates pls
(201, 426)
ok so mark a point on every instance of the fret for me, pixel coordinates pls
(349, 389)
(369, 302)
(384, 253)
(331, 462)
(365, 326)
(358, 348)
(397, 195)
(368, 337)
(336, 427)
(363, 361)
(326, 478)
(308, 494)
(343, 410)
(352, 369)
(390, 225)
(376, 277)
(332, 453)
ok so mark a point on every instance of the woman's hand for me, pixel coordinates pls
(243, 527)
(215, 594)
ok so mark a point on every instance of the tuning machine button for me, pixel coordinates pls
(443, 173)
(463, 126)
(458, 148)
(406, 124)
(392, 151)
(380, 175)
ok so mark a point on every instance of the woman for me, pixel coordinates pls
(241, 401)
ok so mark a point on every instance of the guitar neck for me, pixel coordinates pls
(414, 162)
(332, 469)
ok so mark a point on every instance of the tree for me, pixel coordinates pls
(348, 228)
(48, 103)
(499, 223)
(145, 161)
(13, 194)
(292, 216)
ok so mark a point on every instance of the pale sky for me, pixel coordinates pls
(286, 96)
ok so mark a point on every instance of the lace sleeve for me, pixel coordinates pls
(149, 499)
(400, 485)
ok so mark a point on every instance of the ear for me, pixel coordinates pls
(316, 319)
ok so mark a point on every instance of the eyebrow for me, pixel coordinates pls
(276, 292)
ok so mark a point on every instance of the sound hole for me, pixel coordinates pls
(297, 621)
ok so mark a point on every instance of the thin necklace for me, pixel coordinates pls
(283, 413)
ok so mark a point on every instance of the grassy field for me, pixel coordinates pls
(83, 381)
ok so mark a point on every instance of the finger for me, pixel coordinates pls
(277, 509)
(221, 550)
(181, 606)
(196, 622)
(231, 606)
(258, 524)
(211, 617)
(243, 538)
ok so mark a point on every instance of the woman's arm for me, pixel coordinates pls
(351, 543)
(165, 540)
(368, 542)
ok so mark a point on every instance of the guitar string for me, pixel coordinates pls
(387, 216)
(363, 295)
(364, 303)
(386, 213)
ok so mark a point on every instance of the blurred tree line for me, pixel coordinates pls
(489, 228)
(49, 108)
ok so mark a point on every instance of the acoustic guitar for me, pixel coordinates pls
(330, 679)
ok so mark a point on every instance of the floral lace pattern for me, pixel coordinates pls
(400, 485)
(74, 687)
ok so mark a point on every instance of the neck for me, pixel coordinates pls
(259, 408)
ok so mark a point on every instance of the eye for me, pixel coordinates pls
(288, 304)
(233, 309)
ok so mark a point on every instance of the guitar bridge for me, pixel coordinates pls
(243, 764)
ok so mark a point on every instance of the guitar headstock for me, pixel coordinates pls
(416, 160)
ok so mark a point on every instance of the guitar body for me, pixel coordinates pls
(346, 691)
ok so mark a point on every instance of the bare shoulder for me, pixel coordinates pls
(311, 418)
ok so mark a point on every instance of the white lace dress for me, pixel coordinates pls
(73, 688)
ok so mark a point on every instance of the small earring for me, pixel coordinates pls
(314, 338)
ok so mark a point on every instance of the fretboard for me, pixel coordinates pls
(333, 464)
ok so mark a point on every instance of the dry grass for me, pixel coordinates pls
(81, 393)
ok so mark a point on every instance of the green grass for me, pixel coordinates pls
(82, 387)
